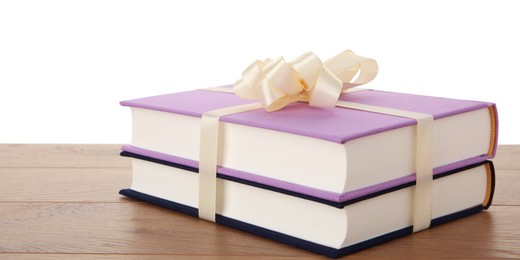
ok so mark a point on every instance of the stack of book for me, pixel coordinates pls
(332, 181)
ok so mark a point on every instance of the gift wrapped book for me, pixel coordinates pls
(373, 166)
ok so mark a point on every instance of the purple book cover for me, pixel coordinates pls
(333, 124)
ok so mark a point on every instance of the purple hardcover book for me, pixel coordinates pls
(305, 140)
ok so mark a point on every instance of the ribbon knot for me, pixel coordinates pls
(275, 83)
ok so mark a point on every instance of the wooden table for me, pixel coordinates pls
(61, 201)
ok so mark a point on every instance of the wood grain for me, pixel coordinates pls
(148, 257)
(61, 202)
(507, 157)
(121, 228)
(63, 184)
(135, 228)
(507, 188)
(62, 155)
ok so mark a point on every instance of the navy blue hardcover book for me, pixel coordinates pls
(325, 227)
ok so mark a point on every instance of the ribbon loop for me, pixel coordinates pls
(326, 91)
(347, 65)
(277, 83)
(308, 66)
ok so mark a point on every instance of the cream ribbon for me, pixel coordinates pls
(276, 84)
(208, 156)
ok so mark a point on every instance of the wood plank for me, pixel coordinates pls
(31, 256)
(507, 157)
(135, 228)
(63, 184)
(507, 187)
(62, 155)
(122, 228)
(107, 155)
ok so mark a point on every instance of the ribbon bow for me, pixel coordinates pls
(277, 83)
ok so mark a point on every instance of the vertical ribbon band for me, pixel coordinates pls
(208, 156)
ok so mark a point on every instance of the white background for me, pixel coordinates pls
(65, 65)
